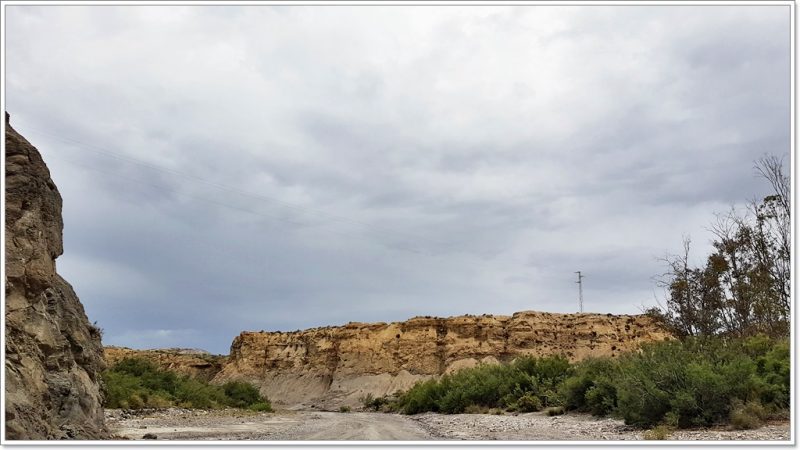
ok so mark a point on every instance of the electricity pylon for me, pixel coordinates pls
(580, 290)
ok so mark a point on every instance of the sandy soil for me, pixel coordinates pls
(179, 424)
(282, 426)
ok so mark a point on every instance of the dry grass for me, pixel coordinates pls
(659, 433)
(748, 417)
(476, 409)
(554, 411)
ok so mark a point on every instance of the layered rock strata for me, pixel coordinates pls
(331, 366)
(53, 353)
(193, 363)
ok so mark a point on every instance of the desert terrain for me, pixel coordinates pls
(286, 425)
(55, 359)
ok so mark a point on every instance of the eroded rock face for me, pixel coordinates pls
(53, 353)
(194, 363)
(331, 366)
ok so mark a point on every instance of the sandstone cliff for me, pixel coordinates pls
(53, 353)
(331, 366)
(194, 363)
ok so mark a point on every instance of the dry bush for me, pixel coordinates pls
(659, 433)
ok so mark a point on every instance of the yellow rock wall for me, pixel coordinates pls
(198, 365)
(330, 366)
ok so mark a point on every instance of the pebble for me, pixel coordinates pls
(527, 426)
(536, 426)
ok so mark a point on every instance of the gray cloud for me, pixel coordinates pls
(252, 167)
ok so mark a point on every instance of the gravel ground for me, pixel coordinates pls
(569, 427)
(182, 424)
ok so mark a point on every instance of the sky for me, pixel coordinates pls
(230, 168)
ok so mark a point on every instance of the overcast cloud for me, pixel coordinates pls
(277, 168)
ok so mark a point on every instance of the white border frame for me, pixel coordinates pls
(793, 162)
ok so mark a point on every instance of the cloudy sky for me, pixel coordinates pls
(277, 168)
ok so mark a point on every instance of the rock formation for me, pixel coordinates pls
(331, 366)
(194, 363)
(53, 353)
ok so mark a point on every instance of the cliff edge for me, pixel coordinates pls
(53, 354)
(194, 363)
(332, 366)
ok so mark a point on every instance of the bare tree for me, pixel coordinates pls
(773, 228)
(744, 287)
(693, 296)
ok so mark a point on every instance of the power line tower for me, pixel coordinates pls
(580, 290)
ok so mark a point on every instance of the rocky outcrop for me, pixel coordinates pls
(53, 353)
(197, 364)
(331, 366)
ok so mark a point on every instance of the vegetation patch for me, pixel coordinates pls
(659, 433)
(695, 382)
(749, 416)
(731, 361)
(526, 385)
(138, 383)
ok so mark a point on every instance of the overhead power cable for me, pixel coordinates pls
(302, 209)
(226, 205)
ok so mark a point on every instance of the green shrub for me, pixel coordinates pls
(601, 399)
(264, 406)
(528, 403)
(687, 379)
(591, 387)
(573, 392)
(367, 401)
(491, 386)
(241, 395)
(138, 383)
(422, 397)
(642, 398)
(137, 367)
(704, 396)
(773, 376)
(384, 403)
(135, 401)
(679, 384)
(118, 387)
(696, 382)
(157, 401)
(196, 394)
(344, 409)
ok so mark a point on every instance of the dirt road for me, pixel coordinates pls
(178, 424)
(357, 427)
(284, 426)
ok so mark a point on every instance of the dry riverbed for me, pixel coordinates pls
(182, 424)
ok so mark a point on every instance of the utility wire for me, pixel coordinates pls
(302, 209)
(226, 205)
